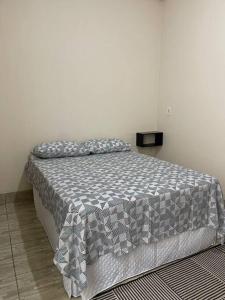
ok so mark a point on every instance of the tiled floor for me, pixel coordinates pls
(26, 267)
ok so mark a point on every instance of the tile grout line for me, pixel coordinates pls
(14, 268)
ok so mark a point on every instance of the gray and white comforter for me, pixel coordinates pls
(111, 203)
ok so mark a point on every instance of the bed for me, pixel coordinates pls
(112, 216)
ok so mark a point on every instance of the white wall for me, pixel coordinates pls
(74, 70)
(193, 84)
(80, 69)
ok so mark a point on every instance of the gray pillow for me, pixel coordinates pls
(60, 149)
(96, 146)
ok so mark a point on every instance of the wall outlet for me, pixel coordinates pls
(169, 111)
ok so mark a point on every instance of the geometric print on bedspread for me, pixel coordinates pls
(111, 203)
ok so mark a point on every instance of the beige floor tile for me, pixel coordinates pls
(2, 209)
(28, 234)
(6, 268)
(20, 207)
(5, 253)
(8, 289)
(2, 199)
(6, 263)
(21, 196)
(31, 247)
(5, 238)
(22, 216)
(19, 221)
(32, 255)
(45, 284)
(3, 223)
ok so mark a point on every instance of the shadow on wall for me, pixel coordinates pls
(23, 184)
(148, 151)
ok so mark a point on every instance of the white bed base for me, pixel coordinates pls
(109, 270)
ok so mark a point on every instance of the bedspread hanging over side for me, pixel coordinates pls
(111, 203)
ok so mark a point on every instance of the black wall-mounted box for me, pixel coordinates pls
(140, 138)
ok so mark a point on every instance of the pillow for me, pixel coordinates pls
(97, 146)
(60, 149)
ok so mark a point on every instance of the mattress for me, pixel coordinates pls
(114, 203)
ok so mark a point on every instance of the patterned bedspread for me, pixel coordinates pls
(111, 203)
